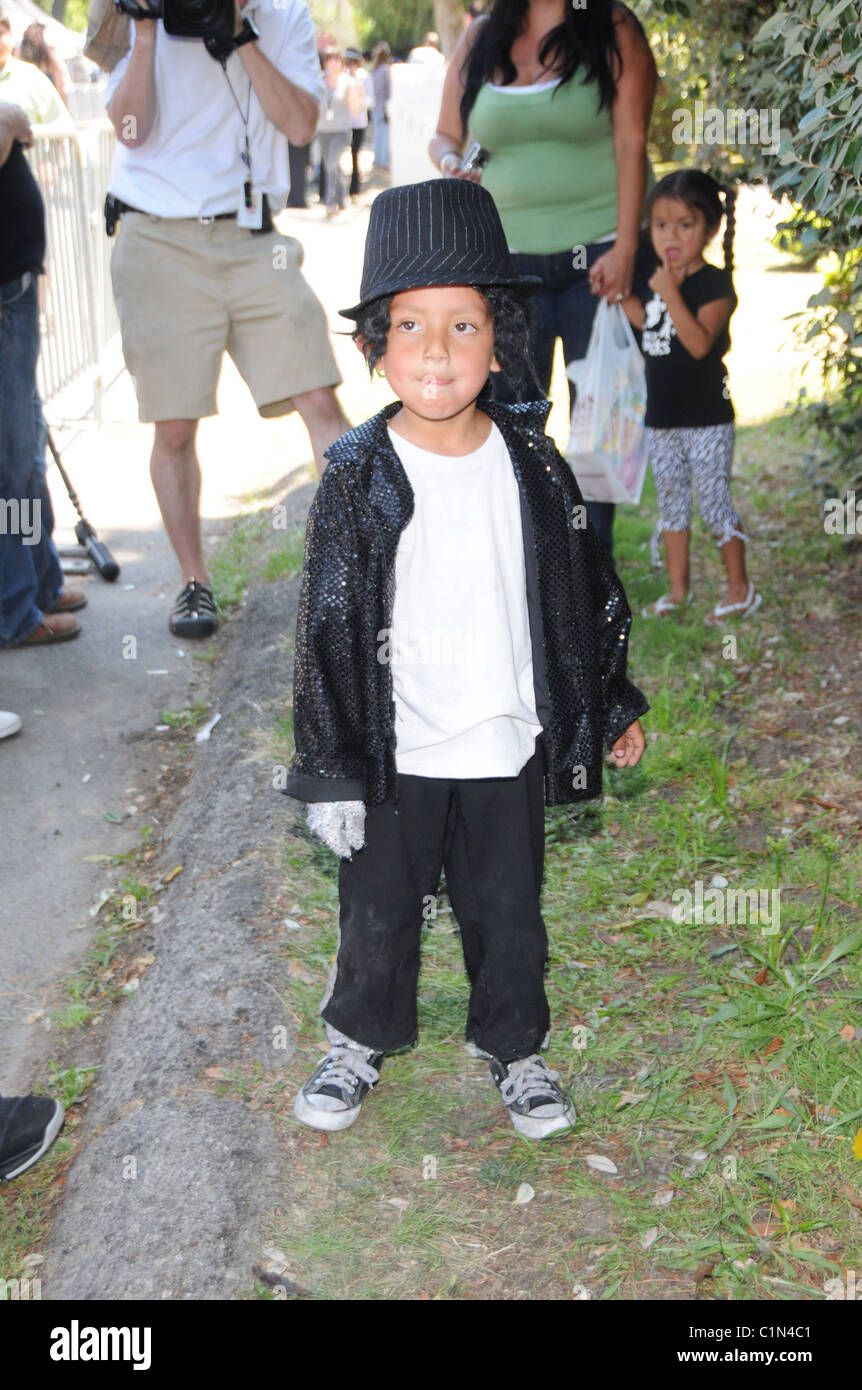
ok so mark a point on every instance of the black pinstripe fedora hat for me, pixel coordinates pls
(442, 232)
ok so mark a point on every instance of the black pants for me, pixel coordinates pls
(489, 836)
(356, 140)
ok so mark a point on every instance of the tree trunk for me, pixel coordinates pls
(58, 10)
(449, 19)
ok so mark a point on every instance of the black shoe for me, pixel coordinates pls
(537, 1105)
(332, 1097)
(194, 613)
(28, 1126)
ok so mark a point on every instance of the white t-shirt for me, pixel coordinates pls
(462, 662)
(191, 164)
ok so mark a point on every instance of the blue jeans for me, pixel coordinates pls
(563, 308)
(30, 573)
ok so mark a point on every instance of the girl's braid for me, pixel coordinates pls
(730, 225)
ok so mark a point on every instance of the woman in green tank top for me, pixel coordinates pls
(560, 94)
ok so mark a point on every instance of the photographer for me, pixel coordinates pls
(198, 268)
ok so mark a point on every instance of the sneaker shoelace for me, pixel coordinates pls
(529, 1080)
(346, 1068)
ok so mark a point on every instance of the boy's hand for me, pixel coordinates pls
(628, 748)
(339, 824)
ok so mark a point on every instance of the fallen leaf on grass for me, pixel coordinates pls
(762, 976)
(853, 1197)
(765, 1229)
(601, 1164)
(848, 1032)
(525, 1194)
(401, 1203)
(663, 1197)
(217, 1073)
(631, 1098)
(857, 1144)
(702, 1272)
(649, 1237)
(773, 1046)
(659, 908)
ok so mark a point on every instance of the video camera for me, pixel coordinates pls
(188, 19)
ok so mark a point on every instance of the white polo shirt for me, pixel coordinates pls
(191, 163)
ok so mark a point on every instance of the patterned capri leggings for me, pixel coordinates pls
(706, 452)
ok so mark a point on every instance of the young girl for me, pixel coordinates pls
(460, 659)
(689, 413)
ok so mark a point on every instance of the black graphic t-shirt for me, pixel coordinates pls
(681, 389)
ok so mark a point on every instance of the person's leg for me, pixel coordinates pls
(321, 170)
(176, 477)
(383, 892)
(298, 155)
(49, 571)
(712, 460)
(356, 139)
(172, 283)
(671, 468)
(323, 418)
(20, 516)
(328, 184)
(279, 338)
(493, 862)
(339, 146)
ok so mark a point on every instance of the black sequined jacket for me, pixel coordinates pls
(344, 712)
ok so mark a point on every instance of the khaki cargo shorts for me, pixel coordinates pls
(187, 291)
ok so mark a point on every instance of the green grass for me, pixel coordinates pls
(706, 1058)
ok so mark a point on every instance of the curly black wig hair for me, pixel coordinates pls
(510, 315)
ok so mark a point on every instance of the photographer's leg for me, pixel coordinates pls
(323, 418)
(176, 478)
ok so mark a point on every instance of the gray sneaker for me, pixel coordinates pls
(332, 1097)
(537, 1105)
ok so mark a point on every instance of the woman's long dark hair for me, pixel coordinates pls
(586, 40)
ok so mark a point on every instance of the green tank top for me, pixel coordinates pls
(552, 171)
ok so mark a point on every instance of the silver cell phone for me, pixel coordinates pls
(474, 157)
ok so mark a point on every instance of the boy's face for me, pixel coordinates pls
(439, 349)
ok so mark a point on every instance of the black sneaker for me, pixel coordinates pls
(28, 1126)
(332, 1098)
(194, 613)
(537, 1106)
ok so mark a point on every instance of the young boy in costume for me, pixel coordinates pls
(460, 659)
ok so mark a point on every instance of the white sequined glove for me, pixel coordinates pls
(339, 824)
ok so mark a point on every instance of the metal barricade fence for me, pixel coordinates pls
(78, 317)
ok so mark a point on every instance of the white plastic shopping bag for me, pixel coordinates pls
(607, 449)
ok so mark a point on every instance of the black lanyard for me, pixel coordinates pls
(246, 154)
